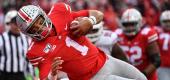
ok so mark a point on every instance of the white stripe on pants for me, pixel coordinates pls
(115, 69)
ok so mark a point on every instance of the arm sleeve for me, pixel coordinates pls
(59, 8)
(81, 13)
(66, 8)
(152, 36)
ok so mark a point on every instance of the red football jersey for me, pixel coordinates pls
(82, 59)
(135, 48)
(164, 45)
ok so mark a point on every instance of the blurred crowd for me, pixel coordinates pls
(112, 9)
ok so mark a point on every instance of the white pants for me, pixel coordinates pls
(164, 73)
(62, 75)
(115, 69)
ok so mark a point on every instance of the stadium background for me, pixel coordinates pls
(112, 9)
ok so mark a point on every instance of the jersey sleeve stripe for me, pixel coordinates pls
(35, 59)
(66, 6)
(51, 10)
(70, 9)
(34, 64)
(153, 38)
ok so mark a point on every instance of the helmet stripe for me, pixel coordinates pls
(24, 16)
(51, 10)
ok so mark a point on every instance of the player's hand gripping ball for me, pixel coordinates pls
(80, 26)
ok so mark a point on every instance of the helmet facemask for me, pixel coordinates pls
(131, 28)
(39, 29)
(166, 24)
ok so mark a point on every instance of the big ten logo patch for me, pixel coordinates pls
(49, 47)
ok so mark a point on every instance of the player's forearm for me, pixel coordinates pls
(97, 14)
(117, 52)
(149, 70)
(155, 62)
(154, 58)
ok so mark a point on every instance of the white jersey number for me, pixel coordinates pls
(71, 43)
(134, 49)
(166, 38)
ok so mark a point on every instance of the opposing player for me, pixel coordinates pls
(164, 41)
(106, 40)
(139, 43)
(59, 36)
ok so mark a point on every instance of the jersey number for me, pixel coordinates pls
(166, 39)
(134, 49)
(71, 43)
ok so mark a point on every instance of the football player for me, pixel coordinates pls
(139, 43)
(164, 42)
(61, 34)
(106, 40)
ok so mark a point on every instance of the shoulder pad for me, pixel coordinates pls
(145, 31)
(118, 31)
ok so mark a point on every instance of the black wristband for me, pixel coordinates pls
(144, 73)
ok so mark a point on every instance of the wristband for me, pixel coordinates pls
(49, 76)
(144, 73)
(93, 20)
